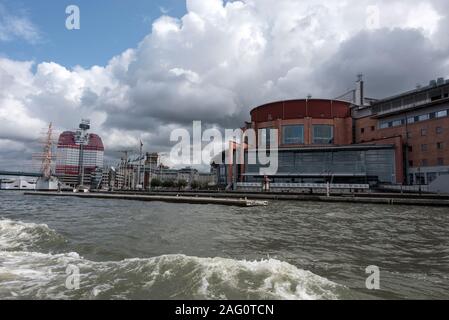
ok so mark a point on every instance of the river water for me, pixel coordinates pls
(153, 250)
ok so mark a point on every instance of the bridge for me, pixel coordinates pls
(20, 174)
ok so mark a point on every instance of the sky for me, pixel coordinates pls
(140, 69)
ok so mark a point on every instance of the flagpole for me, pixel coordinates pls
(139, 179)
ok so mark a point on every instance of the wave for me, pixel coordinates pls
(34, 275)
(30, 275)
(17, 235)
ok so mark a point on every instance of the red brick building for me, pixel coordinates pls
(403, 139)
(417, 122)
(310, 115)
(316, 145)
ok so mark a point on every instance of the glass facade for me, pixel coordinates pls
(292, 164)
(411, 120)
(293, 134)
(323, 134)
(265, 135)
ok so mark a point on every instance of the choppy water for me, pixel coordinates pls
(288, 250)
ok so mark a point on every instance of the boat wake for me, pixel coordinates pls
(26, 273)
(16, 236)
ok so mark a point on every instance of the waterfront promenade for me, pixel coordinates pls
(251, 199)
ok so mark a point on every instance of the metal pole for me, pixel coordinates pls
(127, 171)
(419, 178)
(143, 180)
(122, 170)
(139, 177)
(81, 164)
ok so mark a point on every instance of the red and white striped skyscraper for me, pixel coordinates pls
(68, 160)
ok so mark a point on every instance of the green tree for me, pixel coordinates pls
(195, 185)
(181, 184)
(155, 182)
(168, 184)
(204, 186)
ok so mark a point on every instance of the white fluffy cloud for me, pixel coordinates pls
(17, 27)
(221, 59)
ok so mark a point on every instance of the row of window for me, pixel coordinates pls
(362, 130)
(438, 130)
(420, 178)
(413, 100)
(425, 147)
(411, 120)
(425, 163)
(294, 134)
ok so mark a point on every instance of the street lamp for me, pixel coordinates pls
(82, 139)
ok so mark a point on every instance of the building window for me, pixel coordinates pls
(323, 134)
(265, 133)
(424, 132)
(440, 161)
(439, 130)
(409, 135)
(441, 114)
(411, 120)
(410, 149)
(424, 147)
(410, 163)
(396, 123)
(440, 145)
(424, 162)
(420, 178)
(293, 134)
(424, 117)
(373, 128)
(362, 130)
(384, 125)
(431, 176)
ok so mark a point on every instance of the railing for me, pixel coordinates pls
(403, 107)
(304, 185)
(412, 188)
(20, 174)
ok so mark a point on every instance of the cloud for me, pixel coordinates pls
(392, 60)
(17, 27)
(164, 10)
(220, 60)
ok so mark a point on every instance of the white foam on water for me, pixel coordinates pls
(269, 279)
(17, 235)
(33, 275)
(43, 276)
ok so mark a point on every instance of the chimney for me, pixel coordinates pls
(359, 91)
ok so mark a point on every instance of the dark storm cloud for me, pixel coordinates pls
(391, 60)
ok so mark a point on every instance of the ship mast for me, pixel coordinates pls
(46, 170)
